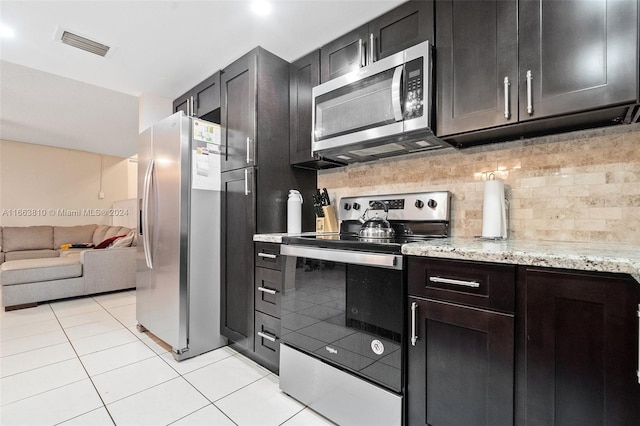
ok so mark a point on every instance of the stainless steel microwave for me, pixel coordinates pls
(380, 110)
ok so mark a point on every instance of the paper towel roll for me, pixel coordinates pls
(494, 210)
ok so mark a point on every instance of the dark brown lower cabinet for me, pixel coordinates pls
(238, 227)
(460, 369)
(267, 341)
(268, 286)
(578, 349)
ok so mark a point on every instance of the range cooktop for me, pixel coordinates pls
(414, 217)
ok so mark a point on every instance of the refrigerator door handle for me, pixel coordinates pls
(145, 208)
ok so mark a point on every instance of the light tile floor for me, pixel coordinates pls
(83, 362)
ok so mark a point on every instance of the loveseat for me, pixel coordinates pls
(34, 268)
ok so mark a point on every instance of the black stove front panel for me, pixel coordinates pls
(350, 316)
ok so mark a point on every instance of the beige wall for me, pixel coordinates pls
(581, 186)
(132, 170)
(151, 109)
(58, 186)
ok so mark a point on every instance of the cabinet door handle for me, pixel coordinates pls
(267, 290)
(638, 371)
(193, 113)
(372, 49)
(267, 336)
(507, 106)
(188, 105)
(361, 53)
(248, 150)
(414, 335)
(268, 255)
(473, 284)
(529, 95)
(247, 190)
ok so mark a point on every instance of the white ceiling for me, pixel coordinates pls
(53, 94)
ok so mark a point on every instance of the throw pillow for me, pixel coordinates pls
(75, 245)
(125, 241)
(108, 242)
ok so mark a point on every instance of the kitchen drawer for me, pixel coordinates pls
(268, 286)
(483, 285)
(267, 338)
(268, 256)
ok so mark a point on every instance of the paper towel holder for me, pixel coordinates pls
(495, 210)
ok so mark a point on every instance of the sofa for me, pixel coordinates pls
(40, 263)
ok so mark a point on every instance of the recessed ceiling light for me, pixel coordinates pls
(6, 32)
(261, 7)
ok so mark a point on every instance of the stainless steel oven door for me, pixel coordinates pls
(346, 308)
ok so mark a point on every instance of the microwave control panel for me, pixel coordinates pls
(413, 104)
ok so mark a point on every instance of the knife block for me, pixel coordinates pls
(328, 223)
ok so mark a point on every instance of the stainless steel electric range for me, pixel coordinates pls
(343, 327)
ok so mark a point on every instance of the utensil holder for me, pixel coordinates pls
(328, 223)
(330, 220)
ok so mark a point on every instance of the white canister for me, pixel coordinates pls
(294, 212)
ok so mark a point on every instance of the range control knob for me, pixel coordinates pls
(432, 203)
(419, 204)
(347, 206)
(356, 206)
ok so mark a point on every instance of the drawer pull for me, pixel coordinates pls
(267, 290)
(268, 255)
(267, 336)
(473, 284)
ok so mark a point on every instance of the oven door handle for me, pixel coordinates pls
(380, 260)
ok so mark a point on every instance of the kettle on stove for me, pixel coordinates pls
(376, 227)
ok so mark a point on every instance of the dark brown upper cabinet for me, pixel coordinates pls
(576, 55)
(304, 74)
(541, 64)
(476, 64)
(406, 25)
(239, 112)
(344, 54)
(202, 101)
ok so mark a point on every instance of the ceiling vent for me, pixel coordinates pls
(82, 43)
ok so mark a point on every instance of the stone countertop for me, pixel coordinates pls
(277, 237)
(594, 256)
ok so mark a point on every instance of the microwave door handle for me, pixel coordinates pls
(396, 98)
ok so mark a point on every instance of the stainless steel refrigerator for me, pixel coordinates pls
(178, 258)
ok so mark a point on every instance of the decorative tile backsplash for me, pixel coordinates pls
(579, 186)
